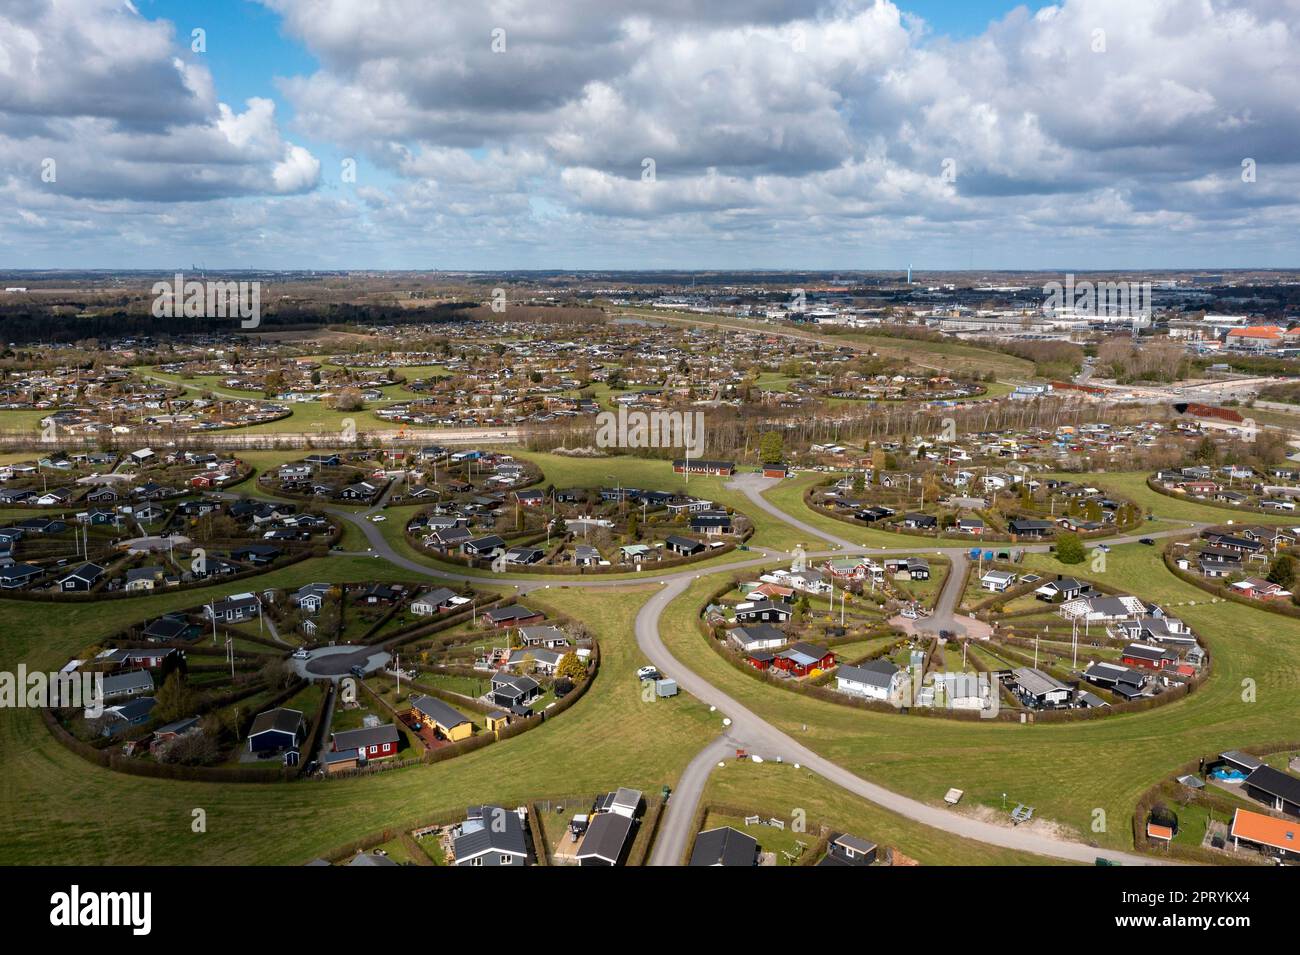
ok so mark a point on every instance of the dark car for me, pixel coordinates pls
(1150, 542)
(358, 671)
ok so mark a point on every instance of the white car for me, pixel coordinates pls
(301, 654)
(378, 518)
(647, 673)
(909, 612)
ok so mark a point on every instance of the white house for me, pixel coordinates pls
(877, 680)
(997, 581)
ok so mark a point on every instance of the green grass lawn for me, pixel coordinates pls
(782, 790)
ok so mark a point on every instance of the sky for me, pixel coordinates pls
(586, 134)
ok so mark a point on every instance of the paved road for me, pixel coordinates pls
(752, 485)
(677, 826)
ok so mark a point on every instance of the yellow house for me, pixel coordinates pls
(440, 717)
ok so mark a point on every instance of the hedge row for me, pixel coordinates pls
(72, 598)
(1280, 607)
(1159, 488)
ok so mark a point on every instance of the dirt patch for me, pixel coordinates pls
(1047, 828)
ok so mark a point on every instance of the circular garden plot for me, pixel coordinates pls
(278, 684)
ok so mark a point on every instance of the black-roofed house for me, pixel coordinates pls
(169, 627)
(433, 601)
(440, 717)
(275, 730)
(514, 690)
(368, 742)
(683, 546)
(81, 579)
(724, 846)
(606, 840)
(514, 615)
(128, 683)
(763, 611)
(845, 849)
(490, 836)
(1278, 790)
(234, 609)
(16, 576)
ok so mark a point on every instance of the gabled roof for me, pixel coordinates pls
(605, 837)
(280, 720)
(1266, 830)
(438, 711)
(724, 846)
(365, 736)
(1275, 783)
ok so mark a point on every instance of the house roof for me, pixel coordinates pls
(124, 682)
(870, 677)
(518, 683)
(1036, 682)
(724, 846)
(1275, 783)
(436, 597)
(1245, 760)
(365, 736)
(438, 711)
(1266, 830)
(504, 833)
(513, 612)
(279, 720)
(605, 837)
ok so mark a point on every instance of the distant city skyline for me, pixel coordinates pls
(765, 135)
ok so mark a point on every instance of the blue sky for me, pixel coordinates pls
(779, 133)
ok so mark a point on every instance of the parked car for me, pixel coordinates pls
(1148, 541)
(647, 673)
(357, 671)
(301, 654)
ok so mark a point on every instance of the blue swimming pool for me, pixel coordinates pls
(1228, 775)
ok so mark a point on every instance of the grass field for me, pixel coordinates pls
(784, 790)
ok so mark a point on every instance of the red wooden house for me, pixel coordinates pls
(1148, 657)
(802, 658)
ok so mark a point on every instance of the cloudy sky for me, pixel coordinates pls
(487, 134)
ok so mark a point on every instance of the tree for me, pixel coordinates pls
(174, 699)
(1207, 452)
(1282, 571)
(859, 482)
(771, 447)
(571, 668)
(633, 525)
(1070, 550)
